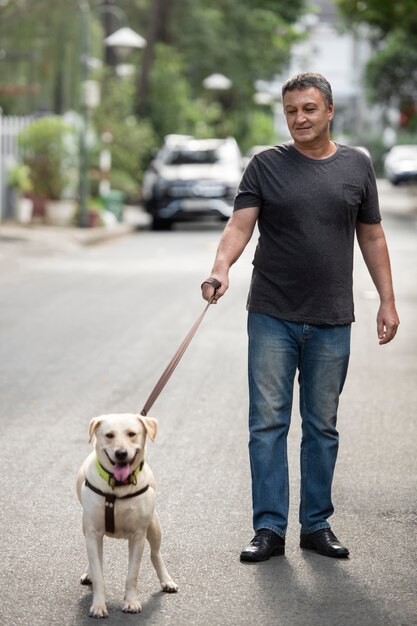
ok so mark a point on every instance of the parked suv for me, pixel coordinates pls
(191, 179)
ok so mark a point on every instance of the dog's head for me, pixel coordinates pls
(120, 441)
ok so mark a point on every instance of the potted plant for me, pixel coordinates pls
(48, 150)
(19, 181)
(95, 213)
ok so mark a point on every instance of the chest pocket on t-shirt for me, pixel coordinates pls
(352, 195)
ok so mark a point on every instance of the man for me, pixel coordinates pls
(308, 198)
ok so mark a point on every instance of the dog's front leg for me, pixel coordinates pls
(154, 537)
(136, 546)
(86, 578)
(94, 543)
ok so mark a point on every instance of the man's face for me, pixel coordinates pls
(307, 116)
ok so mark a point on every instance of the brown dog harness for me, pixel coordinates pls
(110, 499)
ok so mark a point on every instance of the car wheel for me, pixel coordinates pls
(161, 224)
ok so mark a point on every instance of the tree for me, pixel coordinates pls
(392, 71)
(385, 16)
(159, 26)
(210, 35)
(392, 76)
(225, 36)
(187, 41)
(129, 139)
(41, 47)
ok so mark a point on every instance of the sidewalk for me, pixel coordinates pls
(397, 201)
(134, 218)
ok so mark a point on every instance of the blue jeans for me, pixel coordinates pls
(321, 354)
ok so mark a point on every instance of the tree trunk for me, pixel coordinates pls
(158, 31)
(109, 26)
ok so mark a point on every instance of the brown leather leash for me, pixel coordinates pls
(166, 375)
(110, 498)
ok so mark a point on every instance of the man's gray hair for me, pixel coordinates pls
(307, 80)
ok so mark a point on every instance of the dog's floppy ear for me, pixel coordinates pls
(94, 424)
(150, 424)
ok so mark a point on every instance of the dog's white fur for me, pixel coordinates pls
(135, 518)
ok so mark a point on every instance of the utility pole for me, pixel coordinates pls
(83, 150)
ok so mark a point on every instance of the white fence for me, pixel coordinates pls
(10, 126)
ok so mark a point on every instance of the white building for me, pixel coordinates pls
(341, 56)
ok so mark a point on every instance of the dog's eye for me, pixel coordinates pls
(109, 435)
(131, 434)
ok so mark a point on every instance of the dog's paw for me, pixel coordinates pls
(169, 586)
(85, 580)
(98, 610)
(132, 606)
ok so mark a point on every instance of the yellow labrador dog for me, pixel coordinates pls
(117, 491)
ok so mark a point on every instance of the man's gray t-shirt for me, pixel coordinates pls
(303, 262)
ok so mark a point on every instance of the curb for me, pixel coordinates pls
(70, 235)
(80, 236)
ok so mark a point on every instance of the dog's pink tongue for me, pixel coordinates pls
(122, 472)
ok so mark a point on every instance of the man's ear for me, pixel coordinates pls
(94, 424)
(331, 112)
(150, 424)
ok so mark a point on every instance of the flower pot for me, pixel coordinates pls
(60, 212)
(24, 210)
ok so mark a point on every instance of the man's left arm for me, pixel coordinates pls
(373, 245)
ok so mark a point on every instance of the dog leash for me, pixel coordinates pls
(166, 375)
(110, 498)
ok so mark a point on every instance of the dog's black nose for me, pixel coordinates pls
(121, 455)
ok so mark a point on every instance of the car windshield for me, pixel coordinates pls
(188, 157)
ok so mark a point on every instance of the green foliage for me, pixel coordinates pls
(95, 211)
(210, 35)
(169, 102)
(261, 130)
(244, 39)
(384, 15)
(19, 177)
(40, 68)
(48, 153)
(132, 139)
(392, 72)
(171, 107)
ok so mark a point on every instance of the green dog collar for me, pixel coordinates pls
(110, 479)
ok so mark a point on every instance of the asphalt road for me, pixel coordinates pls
(86, 331)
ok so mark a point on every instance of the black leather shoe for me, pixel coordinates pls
(324, 542)
(265, 544)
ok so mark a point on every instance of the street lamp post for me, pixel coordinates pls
(123, 39)
(219, 85)
(83, 151)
